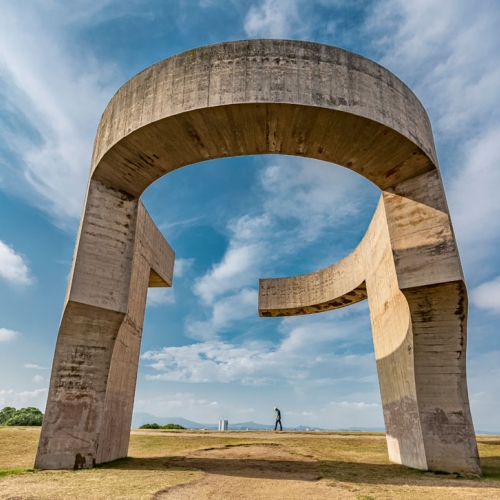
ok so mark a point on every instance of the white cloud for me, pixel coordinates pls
(276, 19)
(37, 398)
(190, 406)
(38, 379)
(340, 414)
(60, 94)
(233, 272)
(30, 366)
(13, 266)
(177, 224)
(181, 266)
(446, 51)
(358, 406)
(251, 364)
(346, 414)
(301, 200)
(6, 334)
(176, 401)
(214, 361)
(457, 81)
(487, 295)
(306, 337)
(315, 194)
(474, 198)
(312, 352)
(235, 307)
(33, 394)
(158, 297)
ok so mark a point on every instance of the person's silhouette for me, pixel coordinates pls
(278, 419)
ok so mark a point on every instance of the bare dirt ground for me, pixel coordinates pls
(188, 465)
(254, 471)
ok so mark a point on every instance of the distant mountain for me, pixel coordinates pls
(251, 426)
(147, 418)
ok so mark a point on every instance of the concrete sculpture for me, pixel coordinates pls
(268, 97)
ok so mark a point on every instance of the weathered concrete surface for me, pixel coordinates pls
(260, 97)
(92, 387)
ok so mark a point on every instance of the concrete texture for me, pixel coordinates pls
(263, 97)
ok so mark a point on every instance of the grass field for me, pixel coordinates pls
(191, 464)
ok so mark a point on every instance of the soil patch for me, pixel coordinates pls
(250, 472)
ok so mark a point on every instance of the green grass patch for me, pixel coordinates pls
(491, 473)
(14, 472)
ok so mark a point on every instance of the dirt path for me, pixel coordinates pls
(252, 472)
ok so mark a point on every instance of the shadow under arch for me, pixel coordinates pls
(268, 97)
(353, 472)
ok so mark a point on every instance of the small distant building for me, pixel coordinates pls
(223, 425)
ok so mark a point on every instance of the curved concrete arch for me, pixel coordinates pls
(264, 97)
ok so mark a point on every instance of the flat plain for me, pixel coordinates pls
(242, 465)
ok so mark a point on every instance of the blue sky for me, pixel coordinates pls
(206, 354)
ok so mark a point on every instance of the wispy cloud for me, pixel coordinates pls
(447, 52)
(187, 404)
(60, 92)
(301, 200)
(475, 203)
(10, 397)
(340, 413)
(13, 266)
(348, 414)
(30, 366)
(160, 297)
(487, 295)
(181, 266)
(276, 19)
(180, 223)
(225, 311)
(307, 352)
(234, 271)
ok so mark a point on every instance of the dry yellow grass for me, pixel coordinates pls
(350, 466)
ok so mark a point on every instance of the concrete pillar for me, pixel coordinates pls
(91, 395)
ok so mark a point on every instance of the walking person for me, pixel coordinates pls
(278, 419)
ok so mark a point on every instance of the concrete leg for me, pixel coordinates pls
(393, 344)
(439, 319)
(89, 408)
